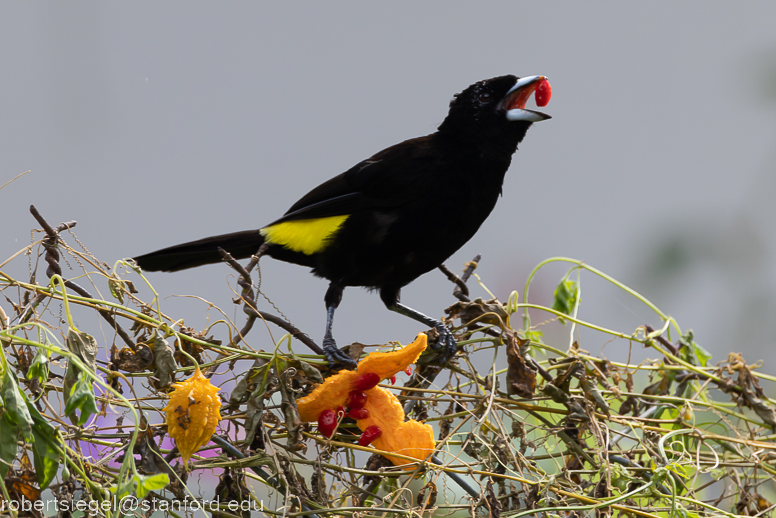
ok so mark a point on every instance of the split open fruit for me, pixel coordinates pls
(377, 411)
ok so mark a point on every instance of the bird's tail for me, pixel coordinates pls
(203, 251)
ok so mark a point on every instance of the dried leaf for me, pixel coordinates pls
(247, 383)
(151, 458)
(590, 388)
(312, 374)
(354, 350)
(491, 502)
(318, 483)
(555, 393)
(164, 360)
(427, 496)
(521, 379)
(446, 424)
(232, 488)
(255, 410)
(129, 360)
(190, 347)
(374, 463)
(292, 419)
(630, 405)
(480, 312)
(762, 409)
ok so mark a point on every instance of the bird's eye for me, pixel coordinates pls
(484, 97)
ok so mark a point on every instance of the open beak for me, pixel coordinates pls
(517, 96)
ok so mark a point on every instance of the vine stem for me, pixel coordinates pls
(605, 503)
(581, 264)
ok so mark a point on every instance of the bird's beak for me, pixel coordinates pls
(518, 95)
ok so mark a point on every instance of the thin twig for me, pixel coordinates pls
(249, 307)
(52, 259)
(461, 292)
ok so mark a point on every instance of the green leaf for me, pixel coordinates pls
(703, 355)
(15, 408)
(684, 513)
(692, 352)
(83, 347)
(45, 449)
(146, 483)
(81, 398)
(677, 468)
(39, 367)
(619, 476)
(8, 445)
(534, 335)
(673, 413)
(124, 488)
(126, 484)
(565, 297)
(115, 290)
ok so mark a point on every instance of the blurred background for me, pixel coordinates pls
(156, 123)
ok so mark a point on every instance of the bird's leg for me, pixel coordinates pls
(446, 338)
(390, 298)
(333, 354)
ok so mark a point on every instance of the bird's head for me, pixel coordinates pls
(494, 109)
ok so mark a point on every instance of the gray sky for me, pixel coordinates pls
(155, 123)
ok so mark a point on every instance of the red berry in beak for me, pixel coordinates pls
(543, 93)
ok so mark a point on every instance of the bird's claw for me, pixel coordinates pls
(447, 341)
(335, 355)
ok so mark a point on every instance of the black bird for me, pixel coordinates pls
(396, 215)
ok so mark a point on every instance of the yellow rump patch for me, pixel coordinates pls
(308, 236)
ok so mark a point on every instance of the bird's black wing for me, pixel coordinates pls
(391, 178)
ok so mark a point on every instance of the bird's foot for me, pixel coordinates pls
(445, 341)
(335, 355)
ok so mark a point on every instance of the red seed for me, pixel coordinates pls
(370, 434)
(408, 370)
(356, 399)
(358, 413)
(393, 380)
(543, 93)
(366, 381)
(327, 422)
